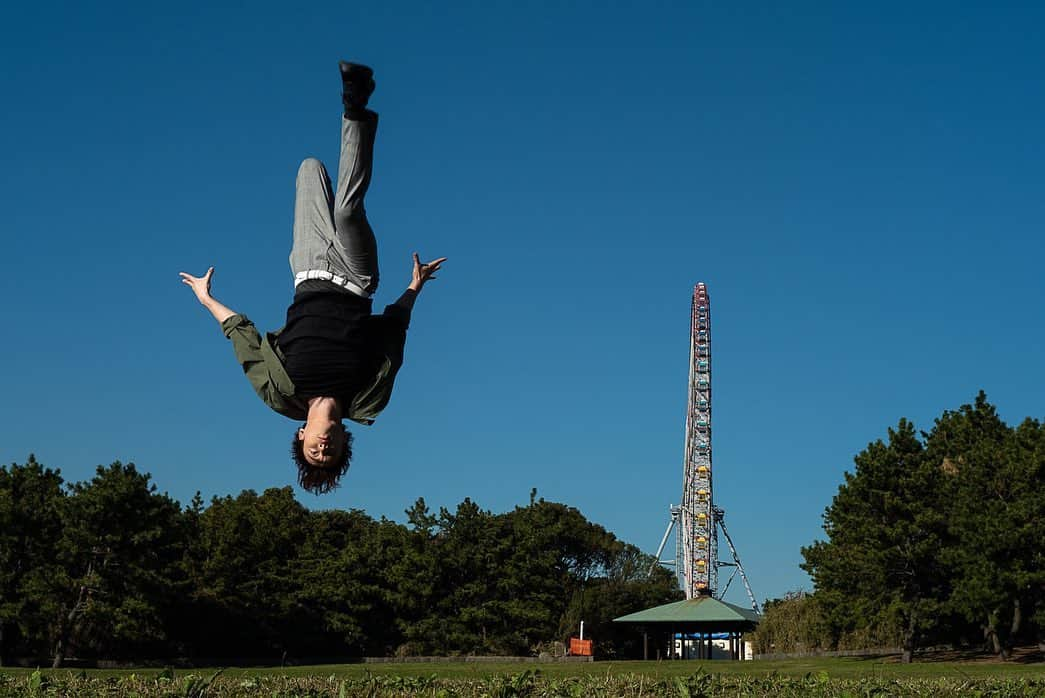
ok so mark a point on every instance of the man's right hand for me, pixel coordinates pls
(201, 287)
(200, 284)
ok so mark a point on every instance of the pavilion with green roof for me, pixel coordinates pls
(684, 629)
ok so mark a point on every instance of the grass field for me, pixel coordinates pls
(795, 677)
(841, 667)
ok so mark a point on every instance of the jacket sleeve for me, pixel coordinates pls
(246, 342)
(395, 322)
(397, 314)
(389, 337)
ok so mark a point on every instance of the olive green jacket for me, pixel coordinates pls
(263, 363)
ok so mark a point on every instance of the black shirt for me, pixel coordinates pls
(331, 344)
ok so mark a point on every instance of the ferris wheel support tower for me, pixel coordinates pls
(697, 520)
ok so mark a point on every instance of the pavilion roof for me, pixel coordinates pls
(703, 609)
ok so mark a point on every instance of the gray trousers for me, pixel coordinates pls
(332, 237)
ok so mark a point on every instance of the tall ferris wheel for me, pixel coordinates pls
(697, 520)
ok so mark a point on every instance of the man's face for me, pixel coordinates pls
(322, 442)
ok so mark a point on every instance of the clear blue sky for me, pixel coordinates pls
(859, 184)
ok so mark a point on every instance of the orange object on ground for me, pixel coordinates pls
(579, 647)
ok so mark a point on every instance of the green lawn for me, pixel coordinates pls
(842, 667)
(797, 678)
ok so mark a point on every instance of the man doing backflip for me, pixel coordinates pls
(333, 359)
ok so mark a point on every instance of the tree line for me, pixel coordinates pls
(936, 538)
(111, 568)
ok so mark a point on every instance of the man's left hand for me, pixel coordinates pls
(423, 272)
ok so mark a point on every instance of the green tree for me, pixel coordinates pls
(880, 565)
(342, 582)
(30, 528)
(119, 552)
(1030, 447)
(555, 554)
(414, 581)
(623, 585)
(187, 612)
(995, 497)
(473, 582)
(247, 581)
(793, 623)
(462, 550)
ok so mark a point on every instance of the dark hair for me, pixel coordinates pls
(320, 479)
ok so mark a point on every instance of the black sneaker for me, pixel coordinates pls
(357, 84)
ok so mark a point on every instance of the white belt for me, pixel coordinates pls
(333, 278)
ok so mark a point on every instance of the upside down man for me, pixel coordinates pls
(333, 359)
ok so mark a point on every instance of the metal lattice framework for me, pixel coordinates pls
(697, 539)
(697, 519)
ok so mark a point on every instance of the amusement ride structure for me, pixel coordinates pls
(697, 520)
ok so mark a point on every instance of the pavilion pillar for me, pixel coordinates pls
(645, 644)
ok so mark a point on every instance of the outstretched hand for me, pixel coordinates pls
(200, 284)
(423, 272)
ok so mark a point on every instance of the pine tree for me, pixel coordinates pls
(880, 565)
